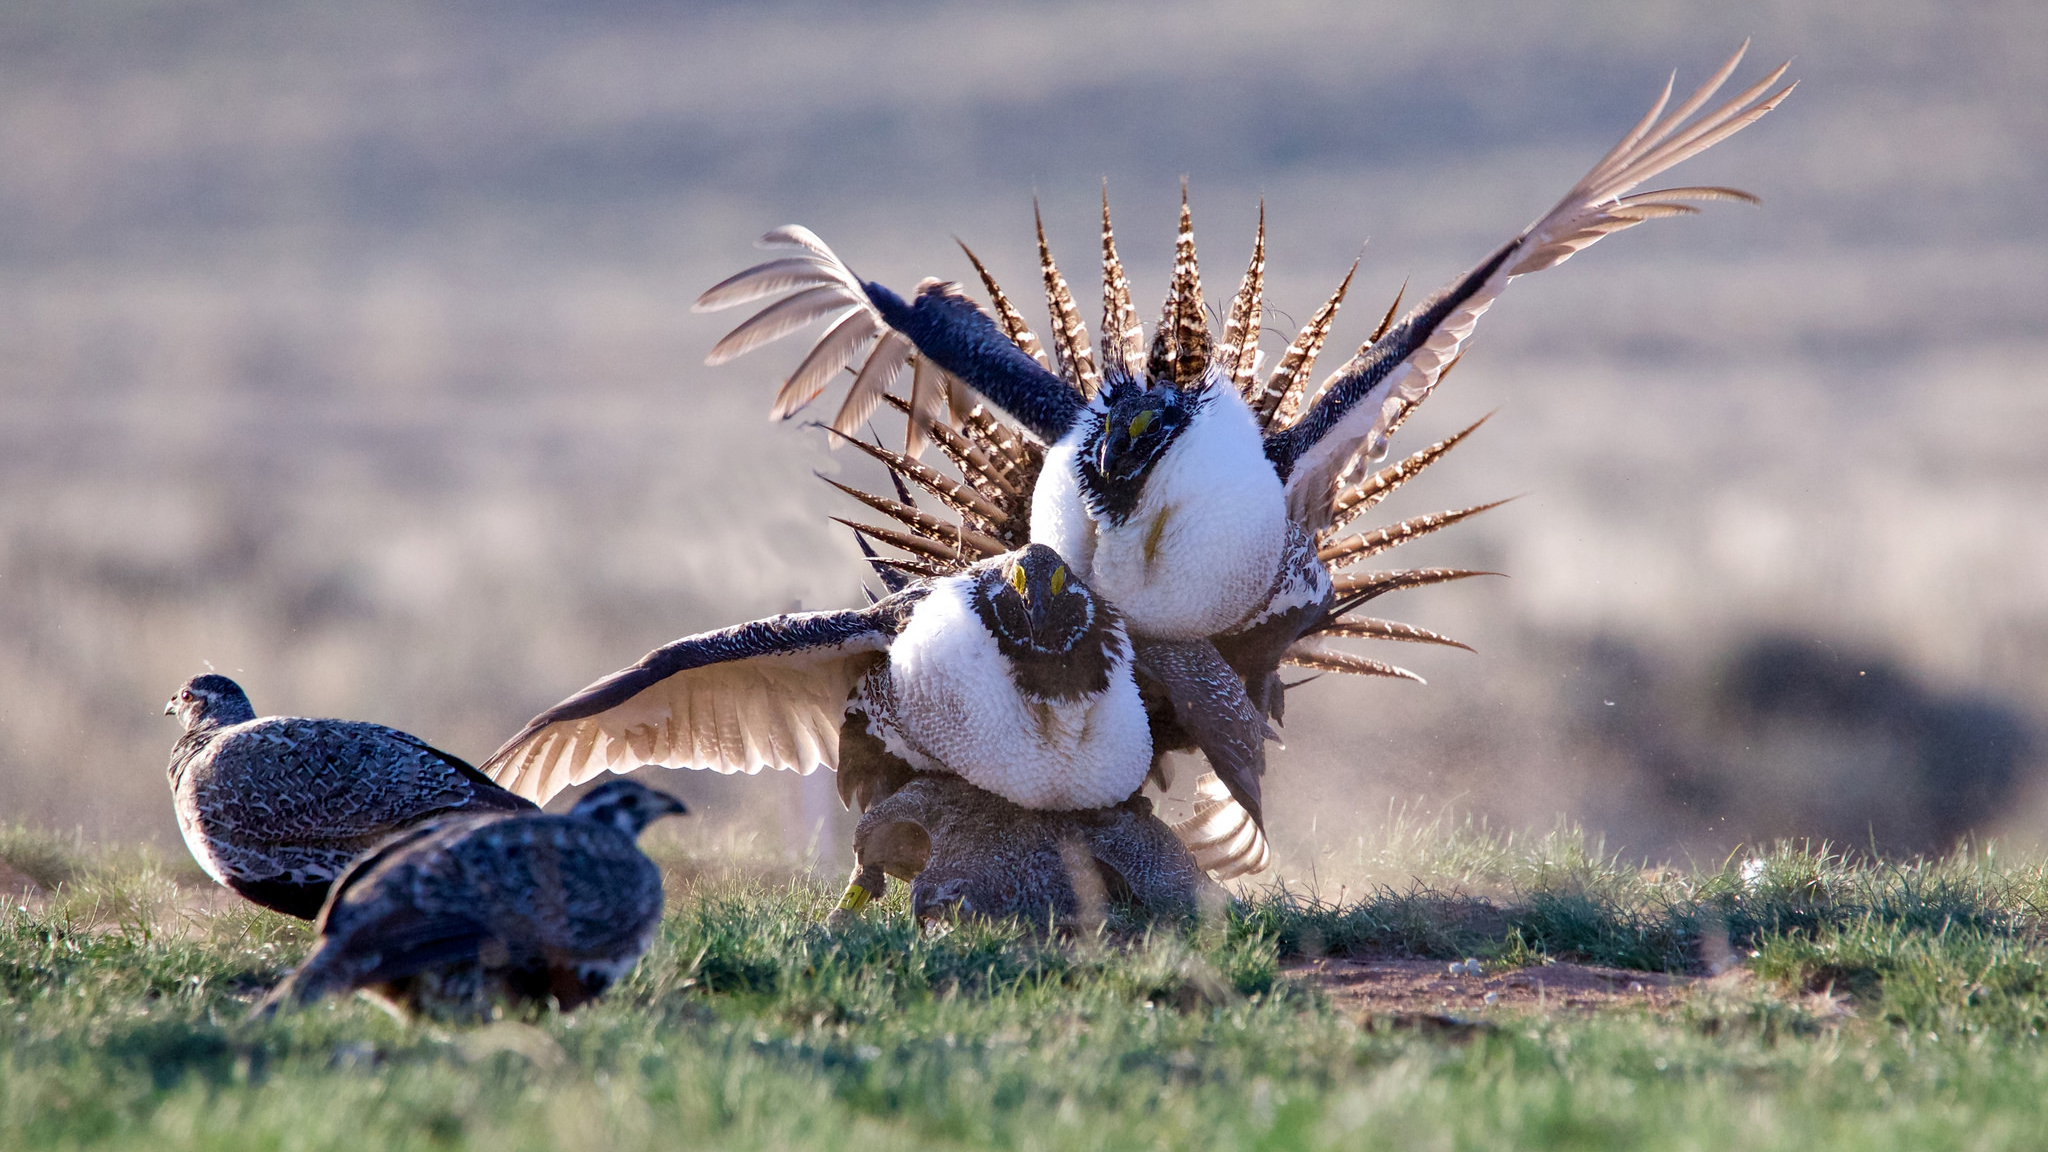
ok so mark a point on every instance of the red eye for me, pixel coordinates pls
(185, 694)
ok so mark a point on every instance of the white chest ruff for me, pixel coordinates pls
(946, 702)
(1198, 554)
(1059, 513)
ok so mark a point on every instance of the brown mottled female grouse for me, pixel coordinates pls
(471, 909)
(277, 807)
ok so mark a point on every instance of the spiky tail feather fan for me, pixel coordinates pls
(998, 464)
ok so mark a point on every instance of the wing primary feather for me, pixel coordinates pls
(884, 367)
(797, 236)
(1354, 413)
(776, 276)
(780, 319)
(927, 402)
(837, 348)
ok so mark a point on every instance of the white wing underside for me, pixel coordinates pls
(1221, 835)
(1599, 204)
(766, 712)
(821, 285)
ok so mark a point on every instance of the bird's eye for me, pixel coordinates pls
(185, 694)
(1142, 421)
(1017, 579)
(1059, 579)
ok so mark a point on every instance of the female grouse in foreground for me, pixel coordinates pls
(276, 807)
(475, 908)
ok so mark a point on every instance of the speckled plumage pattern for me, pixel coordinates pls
(472, 909)
(967, 852)
(277, 807)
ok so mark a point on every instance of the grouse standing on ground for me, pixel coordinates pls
(276, 807)
(1008, 672)
(471, 909)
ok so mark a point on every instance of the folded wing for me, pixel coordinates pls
(768, 694)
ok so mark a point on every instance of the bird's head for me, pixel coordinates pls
(210, 701)
(1138, 428)
(1033, 603)
(627, 806)
(937, 901)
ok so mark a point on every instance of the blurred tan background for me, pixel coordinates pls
(345, 349)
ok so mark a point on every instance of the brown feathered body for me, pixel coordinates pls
(277, 807)
(473, 910)
(966, 852)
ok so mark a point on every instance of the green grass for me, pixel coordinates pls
(1887, 1006)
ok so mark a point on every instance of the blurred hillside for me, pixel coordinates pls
(346, 350)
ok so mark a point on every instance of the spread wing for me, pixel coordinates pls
(1361, 404)
(769, 694)
(939, 337)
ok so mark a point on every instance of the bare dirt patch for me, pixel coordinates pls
(1405, 988)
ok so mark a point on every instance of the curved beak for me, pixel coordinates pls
(171, 706)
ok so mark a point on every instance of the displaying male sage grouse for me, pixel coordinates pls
(469, 910)
(1008, 672)
(1190, 493)
(276, 807)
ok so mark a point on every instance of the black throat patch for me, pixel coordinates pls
(1115, 461)
(1070, 656)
